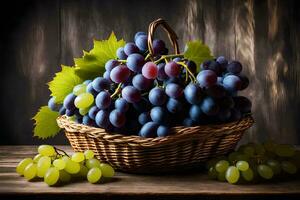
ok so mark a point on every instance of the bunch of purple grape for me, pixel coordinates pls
(147, 95)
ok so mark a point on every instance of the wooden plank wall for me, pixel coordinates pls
(263, 34)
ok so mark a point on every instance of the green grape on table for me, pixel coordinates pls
(43, 165)
(64, 177)
(248, 175)
(212, 173)
(84, 100)
(92, 163)
(71, 166)
(83, 171)
(78, 157)
(269, 146)
(59, 164)
(259, 149)
(275, 165)
(233, 156)
(221, 176)
(232, 174)
(22, 165)
(79, 89)
(30, 171)
(242, 165)
(284, 150)
(107, 170)
(265, 171)
(94, 175)
(249, 150)
(46, 150)
(288, 167)
(52, 176)
(222, 166)
(89, 154)
(37, 158)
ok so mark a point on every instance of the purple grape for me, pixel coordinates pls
(149, 130)
(245, 82)
(188, 122)
(207, 78)
(140, 33)
(109, 65)
(121, 54)
(52, 105)
(192, 67)
(106, 75)
(210, 107)
(157, 96)
(70, 113)
(235, 115)
(159, 114)
(232, 83)
(100, 84)
(141, 83)
(174, 90)
(158, 46)
(103, 100)
(142, 106)
(243, 104)
(195, 113)
(216, 91)
(121, 105)
(172, 69)
(86, 82)
(142, 42)
(161, 72)
(163, 131)
(224, 115)
(193, 93)
(86, 120)
(177, 59)
(174, 106)
(234, 67)
(131, 94)
(120, 74)
(102, 119)
(226, 102)
(90, 89)
(223, 62)
(205, 65)
(216, 67)
(150, 70)
(130, 48)
(135, 62)
(93, 112)
(69, 102)
(62, 110)
(144, 118)
(117, 118)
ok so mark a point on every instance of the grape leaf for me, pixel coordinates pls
(45, 123)
(63, 83)
(197, 52)
(92, 63)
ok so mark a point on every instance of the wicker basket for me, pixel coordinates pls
(187, 147)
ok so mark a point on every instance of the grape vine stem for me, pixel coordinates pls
(168, 56)
(188, 71)
(57, 151)
(116, 91)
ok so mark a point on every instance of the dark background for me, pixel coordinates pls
(38, 36)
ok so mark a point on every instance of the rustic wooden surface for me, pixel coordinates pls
(129, 186)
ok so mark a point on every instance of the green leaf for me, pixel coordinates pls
(197, 52)
(92, 63)
(45, 123)
(63, 83)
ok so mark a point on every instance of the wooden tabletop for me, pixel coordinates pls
(129, 186)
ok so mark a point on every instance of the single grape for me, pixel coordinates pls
(232, 174)
(79, 89)
(121, 105)
(212, 173)
(90, 89)
(193, 93)
(157, 96)
(149, 130)
(84, 100)
(69, 101)
(59, 164)
(188, 122)
(84, 111)
(196, 113)
(207, 78)
(234, 67)
(23, 164)
(159, 114)
(99, 84)
(52, 176)
(284, 150)
(93, 162)
(163, 131)
(232, 157)
(248, 174)
(120, 74)
(30, 171)
(224, 115)
(259, 149)
(141, 42)
(144, 117)
(232, 83)
(117, 118)
(94, 175)
(83, 171)
(223, 62)
(141, 83)
(135, 62)
(109, 65)
(130, 48)
(46, 150)
(161, 75)
(209, 106)
(102, 119)
(205, 64)
(174, 105)
(174, 90)
(242, 165)
(243, 104)
(131, 94)
(150, 70)
(52, 105)
(249, 150)
(103, 100)
(158, 46)
(191, 66)
(172, 69)
(93, 112)
(142, 106)
(71, 166)
(107, 170)
(62, 110)
(226, 102)
(37, 157)
(64, 176)
(216, 67)
(43, 165)
(265, 171)
(288, 167)
(222, 166)
(138, 34)
(121, 54)
(88, 154)
(78, 157)
(216, 91)
(221, 176)
(275, 165)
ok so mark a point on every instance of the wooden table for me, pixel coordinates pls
(129, 186)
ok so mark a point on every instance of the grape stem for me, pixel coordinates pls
(168, 56)
(188, 71)
(122, 61)
(57, 151)
(116, 91)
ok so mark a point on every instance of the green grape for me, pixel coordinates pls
(46, 150)
(232, 174)
(242, 165)
(288, 167)
(221, 176)
(78, 157)
(37, 157)
(94, 175)
(259, 149)
(232, 156)
(84, 111)
(92, 163)
(83, 171)
(84, 100)
(52, 176)
(265, 171)
(30, 171)
(22, 165)
(211, 163)
(89, 154)
(107, 170)
(71, 166)
(222, 166)
(212, 173)
(64, 176)
(269, 146)
(249, 150)
(248, 174)
(79, 89)
(59, 164)
(284, 150)
(243, 157)
(43, 165)
(275, 165)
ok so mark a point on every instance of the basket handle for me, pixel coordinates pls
(171, 34)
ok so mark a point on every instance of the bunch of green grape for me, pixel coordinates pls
(55, 166)
(255, 163)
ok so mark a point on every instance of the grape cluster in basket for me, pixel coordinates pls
(256, 162)
(55, 166)
(146, 95)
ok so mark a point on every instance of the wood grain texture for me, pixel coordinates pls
(183, 186)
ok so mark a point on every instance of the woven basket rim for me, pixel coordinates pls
(180, 133)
